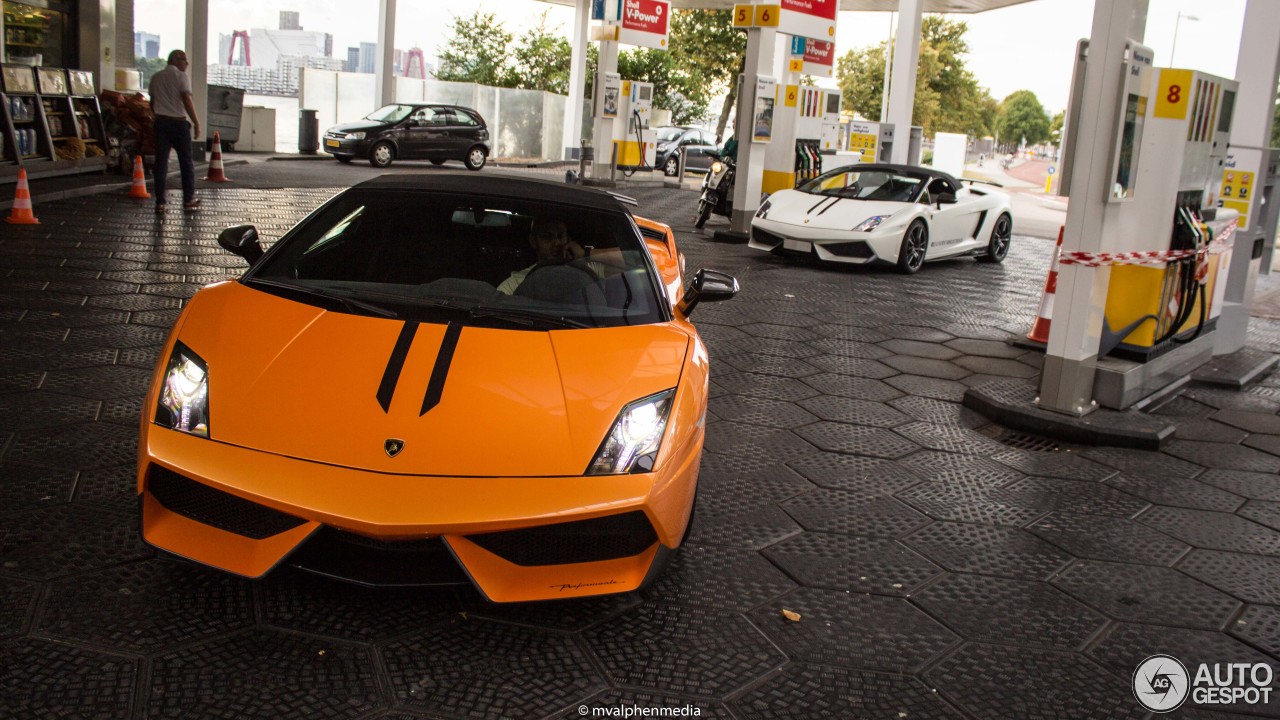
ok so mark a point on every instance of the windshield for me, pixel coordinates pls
(390, 113)
(496, 262)
(667, 134)
(866, 184)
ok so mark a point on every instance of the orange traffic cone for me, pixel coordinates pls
(21, 213)
(139, 187)
(1040, 328)
(215, 163)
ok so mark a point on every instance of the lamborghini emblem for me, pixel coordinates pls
(806, 221)
(393, 446)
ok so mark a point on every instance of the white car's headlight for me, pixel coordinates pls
(184, 397)
(633, 442)
(764, 209)
(870, 223)
(355, 135)
(717, 166)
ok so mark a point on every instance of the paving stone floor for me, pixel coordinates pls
(943, 567)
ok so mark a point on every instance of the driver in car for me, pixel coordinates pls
(550, 238)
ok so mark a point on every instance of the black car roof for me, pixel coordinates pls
(906, 170)
(496, 185)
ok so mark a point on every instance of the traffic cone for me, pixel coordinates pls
(139, 187)
(21, 213)
(215, 163)
(1040, 328)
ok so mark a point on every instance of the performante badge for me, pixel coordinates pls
(393, 446)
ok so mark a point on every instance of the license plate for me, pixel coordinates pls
(797, 245)
(332, 143)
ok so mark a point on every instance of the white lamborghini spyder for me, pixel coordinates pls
(880, 213)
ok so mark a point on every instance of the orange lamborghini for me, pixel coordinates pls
(436, 379)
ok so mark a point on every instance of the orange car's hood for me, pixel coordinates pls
(296, 380)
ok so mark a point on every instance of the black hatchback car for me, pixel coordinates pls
(699, 149)
(405, 131)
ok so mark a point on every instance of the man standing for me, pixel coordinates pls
(171, 104)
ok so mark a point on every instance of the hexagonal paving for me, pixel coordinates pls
(1050, 684)
(941, 566)
(265, 673)
(862, 631)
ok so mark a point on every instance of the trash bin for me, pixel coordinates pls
(586, 157)
(226, 104)
(308, 132)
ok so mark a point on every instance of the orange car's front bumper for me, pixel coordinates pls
(411, 507)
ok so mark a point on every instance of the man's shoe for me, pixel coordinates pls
(191, 205)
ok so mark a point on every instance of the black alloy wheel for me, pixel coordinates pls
(1001, 236)
(915, 245)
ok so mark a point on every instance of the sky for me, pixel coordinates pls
(1025, 47)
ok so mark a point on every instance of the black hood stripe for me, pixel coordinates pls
(435, 388)
(395, 364)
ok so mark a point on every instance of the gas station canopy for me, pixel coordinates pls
(930, 6)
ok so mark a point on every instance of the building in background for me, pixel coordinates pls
(269, 61)
(146, 45)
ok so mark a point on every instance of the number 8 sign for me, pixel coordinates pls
(1171, 94)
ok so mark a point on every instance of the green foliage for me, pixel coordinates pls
(947, 96)
(1055, 127)
(708, 54)
(540, 60)
(1022, 117)
(476, 52)
(148, 67)
(704, 60)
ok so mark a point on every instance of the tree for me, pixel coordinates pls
(1022, 117)
(708, 54)
(149, 66)
(1055, 127)
(476, 52)
(947, 95)
(540, 60)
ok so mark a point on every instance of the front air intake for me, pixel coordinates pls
(606, 538)
(215, 508)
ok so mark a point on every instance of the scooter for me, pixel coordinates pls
(717, 192)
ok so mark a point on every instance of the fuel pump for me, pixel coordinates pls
(817, 130)
(636, 147)
(1169, 160)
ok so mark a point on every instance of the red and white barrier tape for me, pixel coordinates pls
(1220, 243)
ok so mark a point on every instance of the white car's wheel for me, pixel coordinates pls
(1001, 236)
(915, 244)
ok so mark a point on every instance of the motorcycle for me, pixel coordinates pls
(717, 192)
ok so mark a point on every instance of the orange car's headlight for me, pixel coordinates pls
(633, 442)
(184, 397)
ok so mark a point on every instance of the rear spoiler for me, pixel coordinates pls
(980, 182)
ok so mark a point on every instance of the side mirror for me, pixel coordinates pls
(708, 286)
(944, 199)
(241, 240)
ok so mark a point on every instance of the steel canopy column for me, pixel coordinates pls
(602, 130)
(1257, 70)
(384, 76)
(1066, 384)
(762, 45)
(902, 85)
(577, 79)
(197, 48)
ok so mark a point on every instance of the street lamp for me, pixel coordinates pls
(1173, 55)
